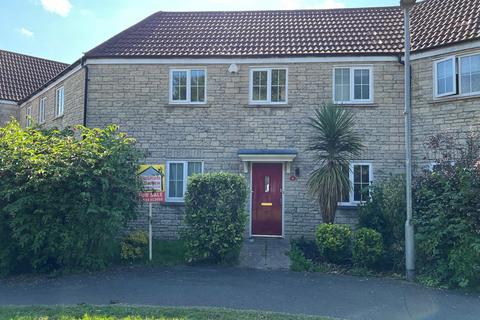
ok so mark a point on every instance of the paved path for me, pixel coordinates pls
(331, 295)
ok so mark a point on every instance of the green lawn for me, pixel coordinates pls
(168, 252)
(139, 313)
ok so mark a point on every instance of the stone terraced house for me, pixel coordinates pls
(232, 91)
(20, 75)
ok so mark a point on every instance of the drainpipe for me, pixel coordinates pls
(85, 91)
(409, 230)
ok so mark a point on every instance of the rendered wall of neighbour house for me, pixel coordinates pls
(73, 103)
(454, 115)
(8, 111)
(137, 98)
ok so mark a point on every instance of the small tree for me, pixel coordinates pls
(334, 142)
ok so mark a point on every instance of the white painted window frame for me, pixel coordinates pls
(28, 116)
(352, 202)
(185, 178)
(460, 75)
(269, 86)
(352, 99)
(435, 76)
(41, 110)
(59, 103)
(189, 89)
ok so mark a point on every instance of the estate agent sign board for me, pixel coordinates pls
(153, 177)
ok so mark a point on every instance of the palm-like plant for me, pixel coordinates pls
(335, 143)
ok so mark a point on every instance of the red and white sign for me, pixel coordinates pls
(152, 196)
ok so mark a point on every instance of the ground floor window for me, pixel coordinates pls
(361, 176)
(177, 178)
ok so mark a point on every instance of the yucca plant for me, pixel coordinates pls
(335, 143)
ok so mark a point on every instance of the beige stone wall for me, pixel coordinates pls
(8, 111)
(136, 98)
(454, 115)
(73, 103)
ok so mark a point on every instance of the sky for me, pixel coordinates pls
(63, 30)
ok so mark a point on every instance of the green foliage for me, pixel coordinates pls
(385, 212)
(334, 242)
(367, 248)
(215, 217)
(168, 252)
(134, 246)
(447, 219)
(334, 143)
(298, 261)
(308, 248)
(64, 196)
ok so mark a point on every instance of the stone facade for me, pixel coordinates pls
(137, 98)
(8, 111)
(455, 116)
(73, 103)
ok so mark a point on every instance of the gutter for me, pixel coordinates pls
(85, 91)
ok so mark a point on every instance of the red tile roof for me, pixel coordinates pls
(363, 31)
(437, 23)
(20, 75)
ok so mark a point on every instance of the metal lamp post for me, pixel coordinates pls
(409, 231)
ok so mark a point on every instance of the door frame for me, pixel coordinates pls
(250, 202)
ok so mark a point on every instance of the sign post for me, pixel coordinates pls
(153, 177)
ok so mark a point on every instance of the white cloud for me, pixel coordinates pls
(332, 4)
(26, 32)
(60, 7)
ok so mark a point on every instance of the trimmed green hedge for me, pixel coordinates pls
(64, 197)
(334, 242)
(367, 248)
(215, 217)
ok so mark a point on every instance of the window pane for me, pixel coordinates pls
(175, 183)
(259, 89)
(342, 84)
(357, 192)
(445, 77)
(179, 85)
(279, 77)
(356, 174)
(361, 84)
(365, 174)
(197, 85)
(470, 74)
(194, 168)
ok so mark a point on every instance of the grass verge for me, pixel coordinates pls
(87, 312)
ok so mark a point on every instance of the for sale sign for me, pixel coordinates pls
(153, 177)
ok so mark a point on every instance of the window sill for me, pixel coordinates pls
(188, 105)
(454, 98)
(352, 206)
(367, 104)
(173, 204)
(58, 117)
(268, 105)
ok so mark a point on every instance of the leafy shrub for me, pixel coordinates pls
(64, 200)
(215, 217)
(367, 247)
(308, 248)
(298, 261)
(334, 242)
(447, 218)
(385, 212)
(134, 246)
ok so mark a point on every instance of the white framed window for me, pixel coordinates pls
(188, 86)
(41, 110)
(268, 86)
(353, 85)
(445, 77)
(361, 177)
(177, 177)
(469, 70)
(59, 101)
(28, 116)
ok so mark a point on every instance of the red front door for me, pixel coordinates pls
(267, 199)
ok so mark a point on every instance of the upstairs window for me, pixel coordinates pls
(41, 110)
(268, 86)
(445, 77)
(353, 85)
(470, 74)
(28, 116)
(59, 101)
(177, 178)
(188, 86)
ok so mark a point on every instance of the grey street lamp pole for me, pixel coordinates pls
(409, 236)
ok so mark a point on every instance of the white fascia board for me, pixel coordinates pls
(53, 84)
(8, 102)
(333, 59)
(446, 50)
(267, 157)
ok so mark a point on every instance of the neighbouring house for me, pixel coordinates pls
(20, 75)
(232, 91)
